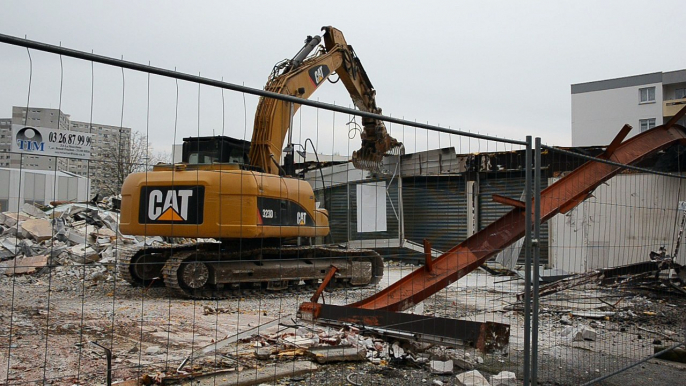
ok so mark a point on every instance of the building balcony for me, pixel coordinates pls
(671, 107)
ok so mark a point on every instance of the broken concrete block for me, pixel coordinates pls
(26, 265)
(31, 210)
(76, 236)
(572, 334)
(10, 219)
(37, 229)
(587, 333)
(103, 242)
(463, 363)
(441, 367)
(504, 378)
(104, 232)
(472, 378)
(264, 352)
(83, 254)
(580, 333)
(5, 253)
(10, 243)
(299, 341)
(329, 354)
(153, 350)
(6, 232)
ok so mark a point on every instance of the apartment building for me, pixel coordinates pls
(110, 146)
(601, 108)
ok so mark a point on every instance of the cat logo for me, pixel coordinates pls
(302, 218)
(318, 74)
(169, 205)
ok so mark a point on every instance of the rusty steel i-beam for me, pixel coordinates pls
(559, 197)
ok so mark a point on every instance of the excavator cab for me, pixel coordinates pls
(215, 149)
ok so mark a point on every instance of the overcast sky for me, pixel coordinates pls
(499, 68)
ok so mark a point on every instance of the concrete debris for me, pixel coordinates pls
(209, 310)
(153, 350)
(504, 378)
(338, 354)
(25, 265)
(592, 314)
(441, 367)
(33, 211)
(299, 341)
(579, 333)
(37, 229)
(70, 235)
(398, 352)
(472, 378)
(82, 254)
(265, 352)
(10, 219)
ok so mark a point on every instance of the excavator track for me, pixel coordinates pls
(185, 269)
(131, 256)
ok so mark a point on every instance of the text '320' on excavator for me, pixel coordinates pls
(265, 219)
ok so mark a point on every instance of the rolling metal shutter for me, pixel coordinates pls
(342, 206)
(435, 209)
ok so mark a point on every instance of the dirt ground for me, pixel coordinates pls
(48, 320)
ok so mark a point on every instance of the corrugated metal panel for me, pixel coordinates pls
(342, 206)
(489, 211)
(435, 209)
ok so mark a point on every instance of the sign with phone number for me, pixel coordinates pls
(51, 142)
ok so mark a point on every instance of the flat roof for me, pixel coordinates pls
(669, 77)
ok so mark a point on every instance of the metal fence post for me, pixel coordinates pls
(527, 266)
(537, 257)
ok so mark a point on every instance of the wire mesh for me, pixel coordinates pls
(619, 301)
(207, 287)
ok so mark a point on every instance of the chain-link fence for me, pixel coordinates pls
(146, 239)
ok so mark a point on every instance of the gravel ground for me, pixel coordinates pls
(48, 319)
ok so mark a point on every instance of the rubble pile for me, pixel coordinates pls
(325, 345)
(66, 235)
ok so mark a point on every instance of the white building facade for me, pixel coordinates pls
(40, 187)
(601, 108)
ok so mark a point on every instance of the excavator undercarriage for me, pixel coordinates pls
(209, 271)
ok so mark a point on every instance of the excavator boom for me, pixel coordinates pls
(301, 77)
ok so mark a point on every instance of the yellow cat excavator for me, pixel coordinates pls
(237, 193)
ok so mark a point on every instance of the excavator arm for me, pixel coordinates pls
(300, 77)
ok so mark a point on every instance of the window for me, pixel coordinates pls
(646, 124)
(680, 93)
(647, 94)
